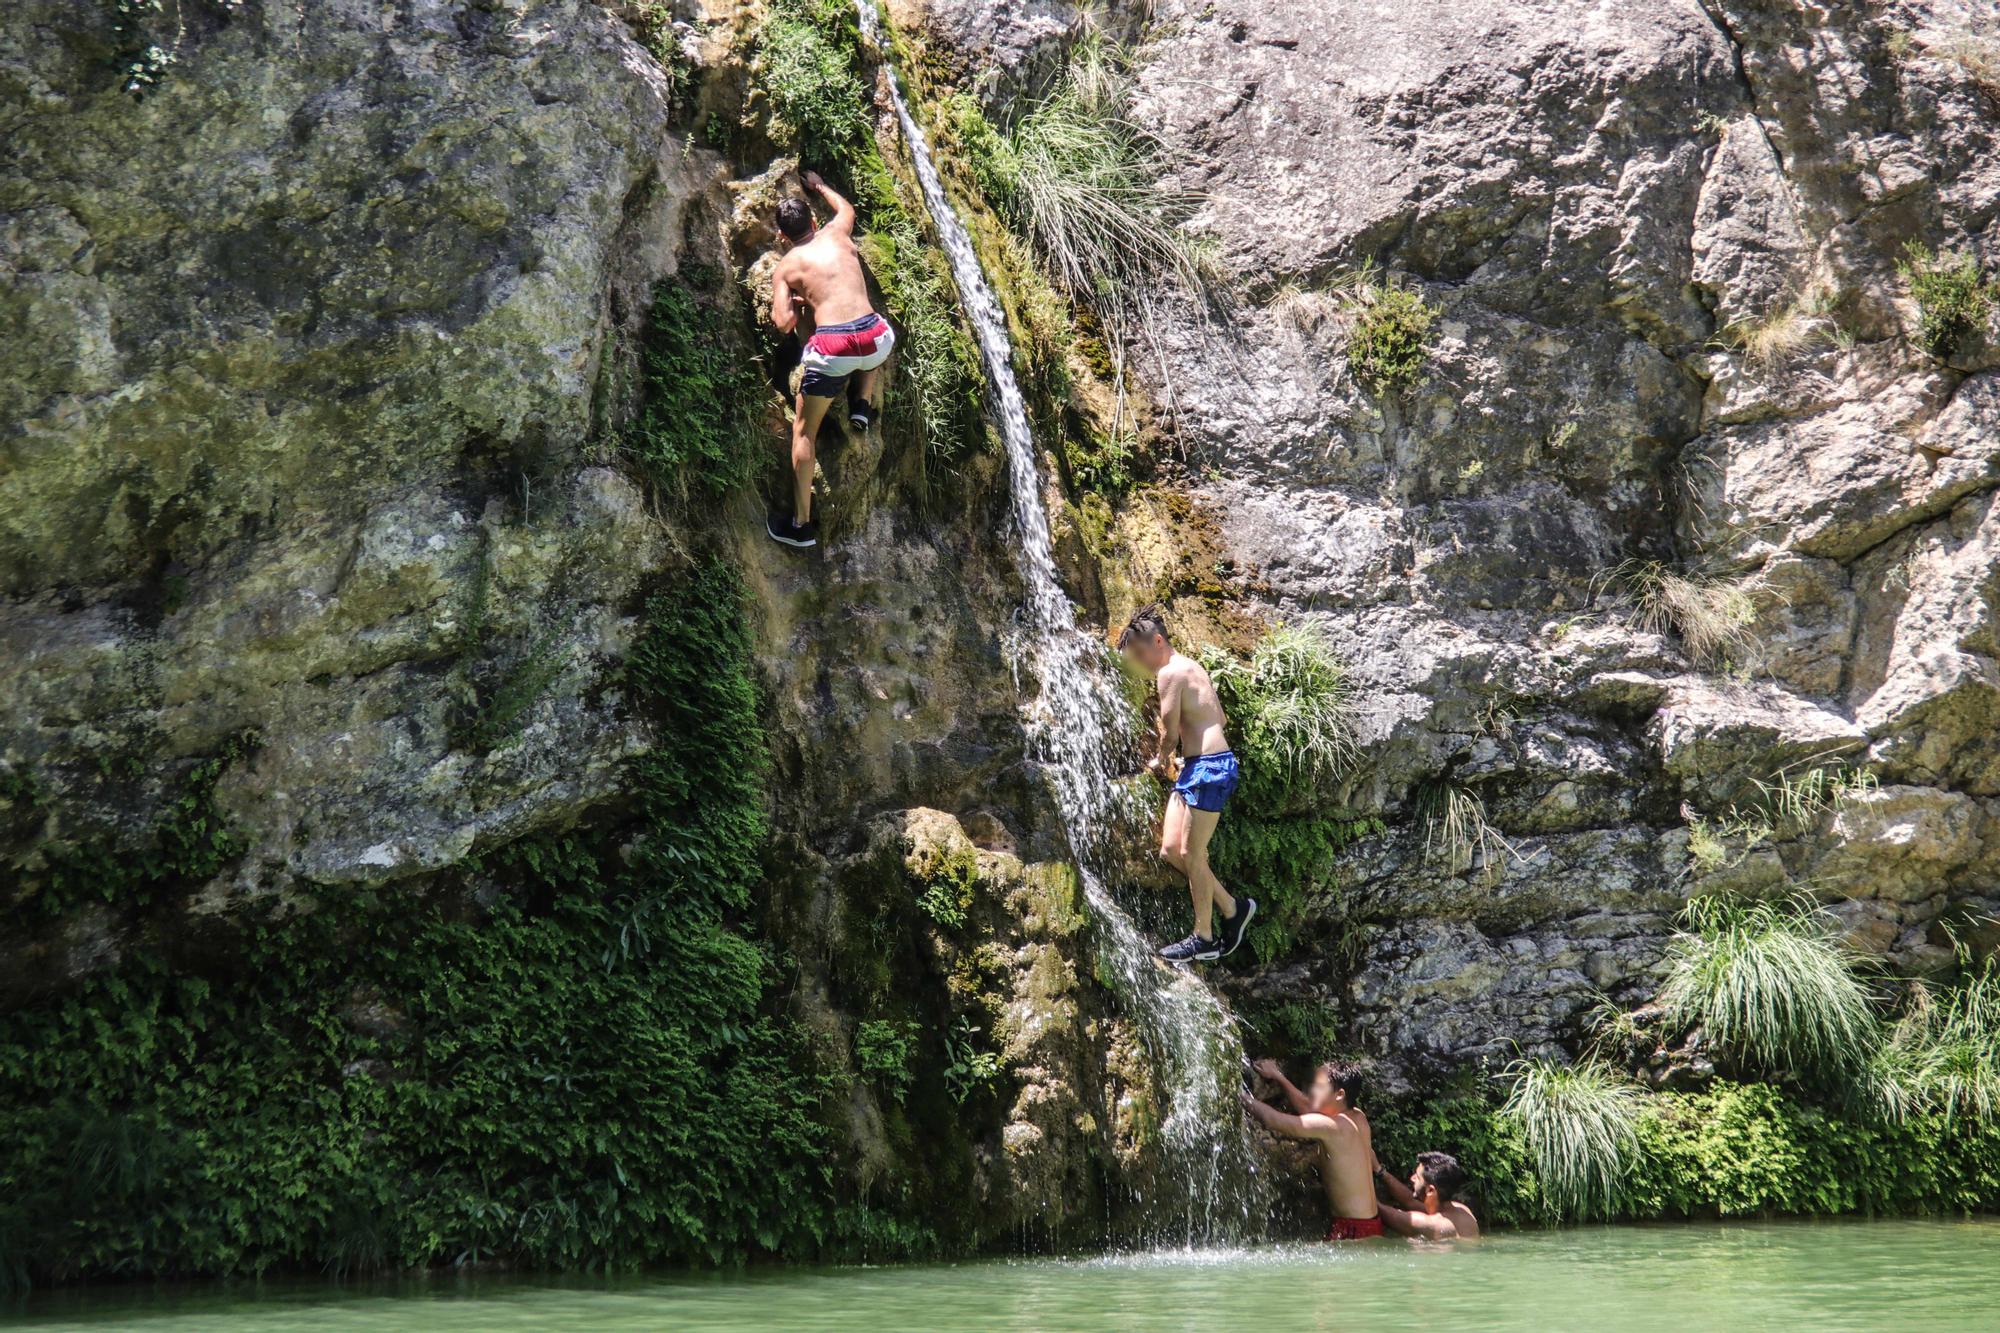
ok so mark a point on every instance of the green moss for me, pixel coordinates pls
(947, 878)
(1289, 863)
(698, 429)
(1389, 343)
(1952, 296)
(986, 151)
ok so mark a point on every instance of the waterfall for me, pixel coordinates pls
(1073, 716)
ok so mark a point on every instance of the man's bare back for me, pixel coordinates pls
(1346, 1161)
(1185, 681)
(825, 272)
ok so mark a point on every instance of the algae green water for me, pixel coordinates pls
(1822, 1276)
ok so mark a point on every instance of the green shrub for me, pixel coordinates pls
(1952, 296)
(699, 429)
(1770, 985)
(882, 1049)
(948, 879)
(992, 160)
(808, 73)
(1579, 1122)
(1291, 712)
(969, 1072)
(1289, 864)
(1388, 342)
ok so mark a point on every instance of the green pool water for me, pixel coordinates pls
(1871, 1276)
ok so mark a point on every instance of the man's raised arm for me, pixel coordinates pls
(1395, 1188)
(1293, 1097)
(1278, 1122)
(843, 212)
(1164, 763)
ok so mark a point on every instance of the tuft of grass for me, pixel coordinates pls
(1291, 706)
(1711, 616)
(1457, 834)
(1580, 1122)
(1943, 1056)
(1081, 180)
(1952, 296)
(1389, 341)
(1771, 985)
(1979, 57)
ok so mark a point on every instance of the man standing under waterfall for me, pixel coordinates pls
(1329, 1117)
(1194, 756)
(822, 269)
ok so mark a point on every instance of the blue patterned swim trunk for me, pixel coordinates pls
(1207, 780)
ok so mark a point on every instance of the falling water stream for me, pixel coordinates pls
(1075, 715)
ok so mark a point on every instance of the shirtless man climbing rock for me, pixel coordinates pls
(1328, 1117)
(1194, 756)
(822, 269)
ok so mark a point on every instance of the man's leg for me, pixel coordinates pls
(1202, 884)
(811, 410)
(864, 387)
(1173, 833)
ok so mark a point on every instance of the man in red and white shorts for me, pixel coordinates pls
(822, 269)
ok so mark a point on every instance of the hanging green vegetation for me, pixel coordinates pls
(698, 428)
(572, 1063)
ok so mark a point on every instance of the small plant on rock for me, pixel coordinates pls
(1581, 1125)
(1291, 704)
(1389, 342)
(1952, 296)
(968, 1071)
(1712, 617)
(882, 1050)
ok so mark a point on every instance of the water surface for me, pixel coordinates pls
(1830, 1276)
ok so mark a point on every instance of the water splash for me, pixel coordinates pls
(1075, 719)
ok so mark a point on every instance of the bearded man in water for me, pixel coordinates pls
(822, 269)
(1194, 756)
(1329, 1118)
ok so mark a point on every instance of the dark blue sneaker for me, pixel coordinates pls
(1193, 949)
(782, 529)
(1230, 932)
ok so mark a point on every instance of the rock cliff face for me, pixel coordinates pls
(1608, 206)
(314, 524)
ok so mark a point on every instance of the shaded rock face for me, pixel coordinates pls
(298, 380)
(308, 439)
(1603, 203)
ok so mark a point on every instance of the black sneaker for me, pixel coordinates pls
(1230, 932)
(860, 414)
(782, 529)
(1193, 949)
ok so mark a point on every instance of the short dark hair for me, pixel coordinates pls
(794, 218)
(1442, 1170)
(1345, 1075)
(1144, 624)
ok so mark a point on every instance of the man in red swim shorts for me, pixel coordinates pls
(822, 270)
(1329, 1117)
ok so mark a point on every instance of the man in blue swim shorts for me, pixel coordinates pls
(1190, 725)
